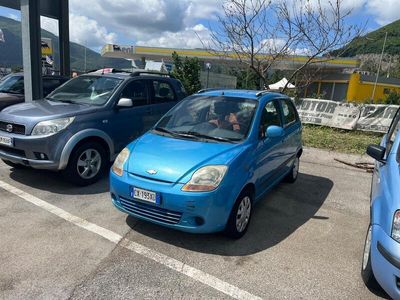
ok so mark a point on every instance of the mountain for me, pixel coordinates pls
(373, 42)
(11, 50)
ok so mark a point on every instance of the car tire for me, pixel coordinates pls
(14, 165)
(87, 164)
(294, 171)
(239, 218)
(367, 273)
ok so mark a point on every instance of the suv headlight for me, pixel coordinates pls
(51, 127)
(118, 166)
(396, 226)
(205, 179)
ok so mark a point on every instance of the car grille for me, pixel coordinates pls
(16, 128)
(151, 212)
(12, 151)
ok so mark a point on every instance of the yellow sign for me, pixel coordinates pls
(47, 48)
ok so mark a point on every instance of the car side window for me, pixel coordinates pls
(49, 85)
(289, 112)
(270, 116)
(162, 92)
(135, 90)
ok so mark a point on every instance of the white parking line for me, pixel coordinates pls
(163, 259)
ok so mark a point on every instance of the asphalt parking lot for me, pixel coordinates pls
(305, 241)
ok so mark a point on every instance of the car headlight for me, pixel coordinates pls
(51, 127)
(205, 179)
(396, 226)
(118, 166)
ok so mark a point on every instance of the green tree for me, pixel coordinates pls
(187, 70)
(246, 78)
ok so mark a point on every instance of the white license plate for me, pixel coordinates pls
(144, 195)
(4, 140)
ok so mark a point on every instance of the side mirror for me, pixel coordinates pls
(274, 132)
(377, 152)
(125, 102)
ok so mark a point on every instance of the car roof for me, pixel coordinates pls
(135, 74)
(248, 94)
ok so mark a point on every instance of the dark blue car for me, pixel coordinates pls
(82, 125)
(209, 160)
(381, 259)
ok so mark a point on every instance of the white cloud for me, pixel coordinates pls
(384, 11)
(190, 37)
(87, 31)
(172, 23)
(169, 22)
(82, 30)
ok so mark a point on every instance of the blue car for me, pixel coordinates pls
(381, 259)
(206, 163)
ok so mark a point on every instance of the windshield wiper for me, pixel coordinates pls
(175, 133)
(165, 130)
(209, 137)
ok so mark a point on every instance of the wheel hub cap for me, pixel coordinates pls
(243, 214)
(89, 163)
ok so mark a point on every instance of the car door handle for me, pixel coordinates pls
(148, 110)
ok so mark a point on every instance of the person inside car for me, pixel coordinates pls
(225, 116)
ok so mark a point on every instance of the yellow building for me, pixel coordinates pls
(352, 87)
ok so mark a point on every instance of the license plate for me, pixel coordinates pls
(145, 195)
(4, 140)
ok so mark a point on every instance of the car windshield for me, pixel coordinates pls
(218, 118)
(93, 90)
(13, 84)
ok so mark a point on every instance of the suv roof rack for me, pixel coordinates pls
(148, 72)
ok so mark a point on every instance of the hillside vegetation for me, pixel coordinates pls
(373, 41)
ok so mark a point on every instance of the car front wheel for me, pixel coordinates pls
(366, 269)
(87, 164)
(239, 218)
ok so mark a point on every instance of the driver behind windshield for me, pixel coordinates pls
(224, 115)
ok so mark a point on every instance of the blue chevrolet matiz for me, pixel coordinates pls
(381, 259)
(207, 162)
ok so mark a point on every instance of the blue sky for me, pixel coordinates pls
(175, 23)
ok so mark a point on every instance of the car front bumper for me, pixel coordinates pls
(385, 258)
(36, 152)
(196, 212)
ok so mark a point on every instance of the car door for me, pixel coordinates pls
(162, 97)
(128, 123)
(292, 126)
(382, 171)
(269, 153)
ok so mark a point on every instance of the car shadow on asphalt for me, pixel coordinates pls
(54, 182)
(277, 216)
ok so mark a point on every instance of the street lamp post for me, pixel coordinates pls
(208, 66)
(379, 67)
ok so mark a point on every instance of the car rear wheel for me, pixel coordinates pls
(239, 218)
(87, 164)
(294, 172)
(366, 269)
(14, 165)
